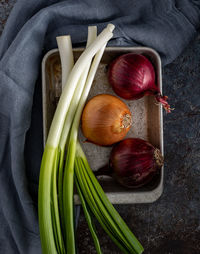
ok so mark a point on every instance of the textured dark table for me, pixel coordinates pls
(172, 224)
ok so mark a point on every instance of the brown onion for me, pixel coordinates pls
(105, 120)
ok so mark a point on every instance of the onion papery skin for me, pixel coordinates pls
(105, 120)
(134, 162)
(132, 76)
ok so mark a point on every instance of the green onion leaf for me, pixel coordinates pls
(88, 217)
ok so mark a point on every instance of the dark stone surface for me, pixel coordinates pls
(172, 224)
(5, 8)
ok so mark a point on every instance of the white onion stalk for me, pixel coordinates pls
(68, 91)
(66, 56)
(71, 151)
(92, 34)
(67, 62)
(47, 193)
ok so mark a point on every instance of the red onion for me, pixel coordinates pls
(133, 162)
(132, 76)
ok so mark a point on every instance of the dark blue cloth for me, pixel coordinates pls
(165, 25)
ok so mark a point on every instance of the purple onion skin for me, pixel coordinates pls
(132, 76)
(133, 163)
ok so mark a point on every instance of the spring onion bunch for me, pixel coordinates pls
(63, 154)
(101, 207)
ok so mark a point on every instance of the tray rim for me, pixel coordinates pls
(123, 197)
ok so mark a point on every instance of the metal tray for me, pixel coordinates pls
(146, 114)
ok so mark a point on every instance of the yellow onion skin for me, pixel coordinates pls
(105, 120)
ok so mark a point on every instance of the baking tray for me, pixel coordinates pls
(146, 115)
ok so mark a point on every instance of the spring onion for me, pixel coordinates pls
(63, 50)
(88, 216)
(92, 33)
(71, 150)
(104, 211)
(52, 153)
